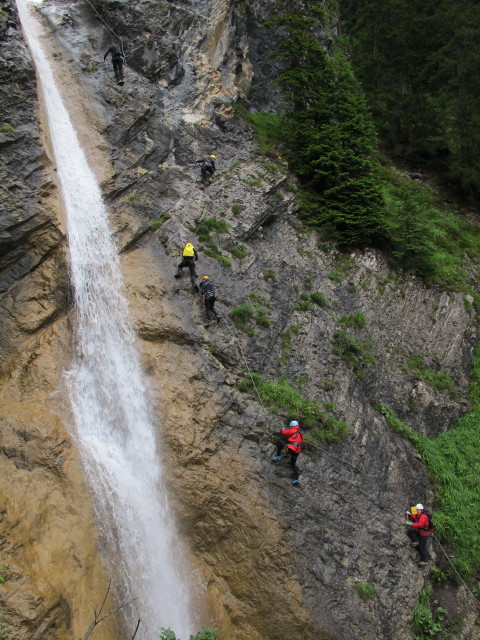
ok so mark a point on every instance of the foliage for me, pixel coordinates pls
(212, 224)
(6, 128)
(435, 379)
(279, 393)
(437, 575)
(426, 624)
(213, 250)
(156, 224)
(304, 304)
(205, 633)
(237, 208)
(241, 315)
(453, 460)
(357, 353)
(269, 273)
(239, 252)
(328, 132)
(355, 320)
(364, 589)
(418, 65)
(268, 129)
(318, 298)
(423, 236)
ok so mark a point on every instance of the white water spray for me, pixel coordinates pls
(113, 426)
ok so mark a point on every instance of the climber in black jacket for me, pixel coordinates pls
(208, 293)
(207, 167)
(117, 61)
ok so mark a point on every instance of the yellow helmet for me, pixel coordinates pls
(206, 278)
(212, 156)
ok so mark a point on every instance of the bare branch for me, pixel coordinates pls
(98, 618)
(136, 629)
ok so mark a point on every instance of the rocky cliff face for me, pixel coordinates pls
(274, 561)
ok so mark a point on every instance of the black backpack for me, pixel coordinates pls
(431, 526)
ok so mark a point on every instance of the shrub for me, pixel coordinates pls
(211, 224)
(269, 273)
(426, 624)
(318, 298)
(241, 315)
(237, 208)
(357, 353)
(355, 320)
(7, 128)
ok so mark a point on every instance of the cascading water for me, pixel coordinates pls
(113, 426)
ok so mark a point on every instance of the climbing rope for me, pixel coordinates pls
(456, 572)
(111, 31)
(328, 453)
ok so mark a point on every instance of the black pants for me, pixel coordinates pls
(207, 172)
(209, 307)
(118, 68)
(281, 444)
(190, 263)
(422, 543)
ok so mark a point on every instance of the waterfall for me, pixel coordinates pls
(113, 426)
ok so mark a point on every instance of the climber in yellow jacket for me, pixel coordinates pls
(189, 257)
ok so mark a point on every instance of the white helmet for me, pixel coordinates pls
(419, 506)
(294, 423)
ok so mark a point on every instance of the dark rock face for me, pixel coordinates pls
(29, 231)
(279, 561)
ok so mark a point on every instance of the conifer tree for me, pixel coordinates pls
(329, 134)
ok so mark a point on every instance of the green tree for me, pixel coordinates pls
(329, 133)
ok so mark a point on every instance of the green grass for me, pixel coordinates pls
(258, 300)
(238, 252)
(424, 235)
(212, 224)
(268, 132)
(268, 274)
(453, 460)
(7, 128)
(241, 315)
(212, 249)
(156, 224)
(254, 182)
(304, 304)
(355, 320)
(435, 379)
(318, 298)
(364, 590)
(134, 197)
(237, 208)
(357, 353)
(278, 393)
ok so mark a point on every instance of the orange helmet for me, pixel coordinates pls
(206, 278)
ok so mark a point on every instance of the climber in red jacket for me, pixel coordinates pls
(291, 437)
(419, 531)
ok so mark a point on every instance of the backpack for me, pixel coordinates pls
(431, 526)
